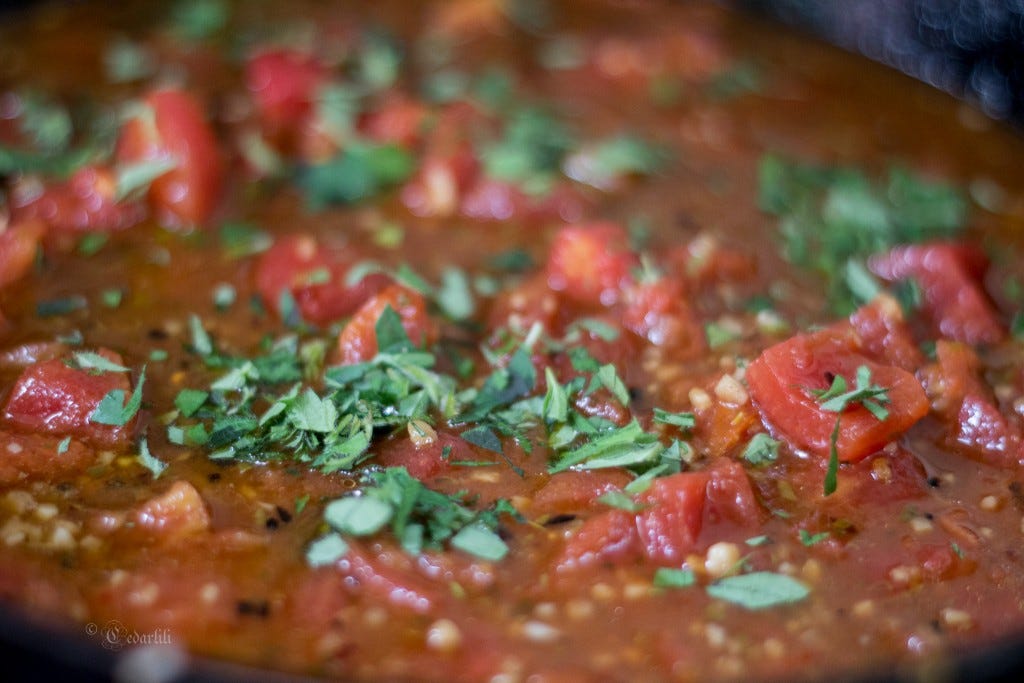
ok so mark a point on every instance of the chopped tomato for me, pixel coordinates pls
(672, 516)
(358, 340)
(573, 491)
(18, 246)
(885, 335)
(428, 458)
(521, 306)
(315, 276)
(949, 276)
(965, 402)
(441, 181)
(658, 311)
(591, 263)
(53, 397)
(398, 120)
(284, 84)
(176, 513)
(607, 538)
(721, 427)
(782, 379)
(491, 199)
(40, 456)
(390, 577)
(730, 496)
(172, 126)
(86, 201)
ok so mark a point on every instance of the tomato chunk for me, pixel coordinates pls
(950, 278)
(781, 380)
(18, 246)
(658, 311)
(40, 456)
(176, 513)
(884, 334)
(357, 342)
(53, 397)
(85, 201)
(316, 277)
(591, 263)
(672, 516)
(172, 126)
(284, 86)
(607, 538)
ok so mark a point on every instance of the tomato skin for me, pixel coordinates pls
(658, 311)
(86, 201)
(965, 402)
(883, 333)
(590, 263)
(357, 342)
(315, 275)
(188, 194)
(52, 397)
(609, 537)
(284, 86)
(18, 246)
(950, 278)
(672, 515)
(781, 378)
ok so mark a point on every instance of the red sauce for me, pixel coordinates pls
(479, 341)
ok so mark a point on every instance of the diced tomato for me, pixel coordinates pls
(721, 427)
(441, 181)
(177, 513)
(591, 263)
(172, 126)
(53, 397)
(672, 516)
(388, 576)
(315, 276)
(521, 306)
(18, 246)
(424, 460)
(40, 456)
(966, 403)
(781, 380)
(705, 261)
(730, 496)
(658, 311)
(397, 120)
(284, 85)
(885, 335)
(572, 491)
(358, 340)
(950, 279)
(607, 538)
(86, 201)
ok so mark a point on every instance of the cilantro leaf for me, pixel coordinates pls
(114, 410)
(758, 590)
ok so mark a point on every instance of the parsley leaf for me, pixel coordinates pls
(758, 590)
(114, 410)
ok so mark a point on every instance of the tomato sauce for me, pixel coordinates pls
(524, 341)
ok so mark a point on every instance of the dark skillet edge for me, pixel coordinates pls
(982, 65)
(971, 49)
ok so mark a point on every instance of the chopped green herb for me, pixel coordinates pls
(837, 398)
(114, 410)
(56, 307)
(808, 539)
(112, 298)
(761, 450)
(149, 461)
(619, 500)
(90, 360)
(667, 577)
(832, 473)
(719, 335)
(758, 541)
(137, 177)
(188, 401)
(358, 515)
(224, 296)
(64, 445)
(326, 550)
(197, 20)
(361, 171)
(91, 243)
(681, 420)
(479, 541)
(758, 590)
(241, 239)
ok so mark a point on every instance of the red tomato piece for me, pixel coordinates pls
(316, 278)
(86, 201)
(591, 263)
(490, 199)
(780, 382)
(607, 538)
(573, 491)
(357, 342)
(397, 120)
(173, 126)
(426, 460)
(658, 311)
(950, 278)
(722, 427)
(284, 85)
(390, 578)
(672, 516)
(730, 496)
(52, 397)
(39, 456)
(177, 513)
(966, 403)
(885, 335)
(18, 246)
(441, 181)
